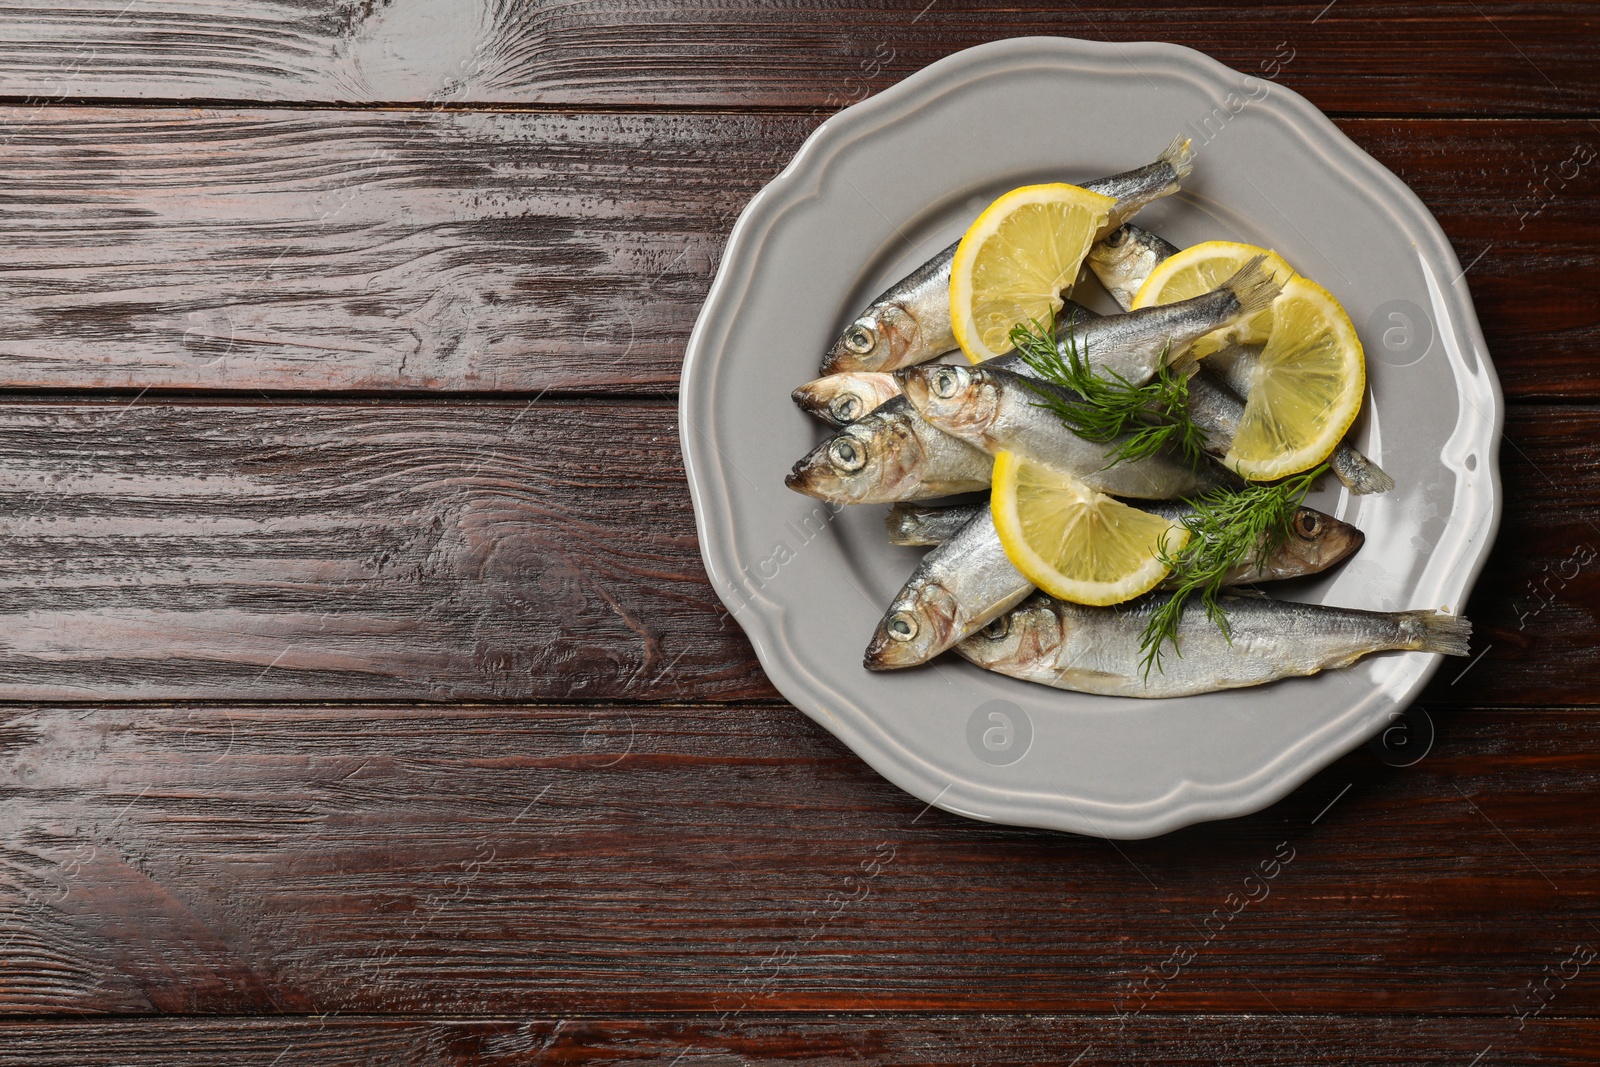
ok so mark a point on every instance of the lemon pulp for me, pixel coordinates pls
(1015, 260)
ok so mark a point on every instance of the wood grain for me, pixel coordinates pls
(763, 1039)
(584, 858)
(479, 551)
(524, 551)
(505, 860)
(327, 250)
(316, 250)
(1496, 57)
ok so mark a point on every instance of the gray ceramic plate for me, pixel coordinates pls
(886, 183)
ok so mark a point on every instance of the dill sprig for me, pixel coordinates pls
(1152, 415)
(1226, 528)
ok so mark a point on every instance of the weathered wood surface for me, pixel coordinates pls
(433, 552)
(1359, 55)
(768, 1040)
(340, 250)
(639, 873)
(504, 860)
(533, 551)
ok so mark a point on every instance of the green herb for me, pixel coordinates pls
(1152, 415)
(1227, 527)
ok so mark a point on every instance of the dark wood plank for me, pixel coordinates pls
(1521, 205)
(1363, 55)
(367, 250)
(333, 250)
(427, 552)
(762, 1039)
(1533, 606)
(473, 859)
(530, 551)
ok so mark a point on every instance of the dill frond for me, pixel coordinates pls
(1226, 528)
(1146, 417)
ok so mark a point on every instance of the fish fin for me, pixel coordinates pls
(1434, 631)
(1254, 286)
(1179, 156)
(1360, 474)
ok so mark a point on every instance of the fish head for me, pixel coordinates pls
(1027, 634)
(963, 401)
(1316, 542)
(920, 624)
(866, 462)
(846, 397)
(1115, 253)
(1124, 259)
(882, 339)
(1120, 261)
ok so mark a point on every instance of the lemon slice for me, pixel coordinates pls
(1308, 386)
(1073, 542)
(1200, 269)
(1016, 258)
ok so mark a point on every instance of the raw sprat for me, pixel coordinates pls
(1143, 470)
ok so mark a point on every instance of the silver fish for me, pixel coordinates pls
(968, 580)
(838, 399)
(1097, 650)
(1215, 410)
(1134, 346)
(1122, 262)
(910, 322)
(959, 587)
(1124, 259)
(889, 455)
(996, 410)
(1315, 543)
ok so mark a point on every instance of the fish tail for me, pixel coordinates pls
(1254, 286)
(1180, 157)
(1185, 365)
(1360, 474)
(904, 523)
(1435, 631)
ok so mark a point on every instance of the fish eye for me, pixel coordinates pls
(1116, 237)
(1308, 525)
(946, 382)
(847, 408)
(847, 455)
(902, 626)
(998, 628)
(859, 339)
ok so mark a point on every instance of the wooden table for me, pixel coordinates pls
(367, 703)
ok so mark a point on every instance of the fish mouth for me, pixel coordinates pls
(1345, 543)
(807, 398)
(884, 653)
(914, 386)
(812, 476)
(965, 408)
(837, 360)
(841, 360)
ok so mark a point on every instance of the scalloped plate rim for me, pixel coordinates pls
(1187, 802)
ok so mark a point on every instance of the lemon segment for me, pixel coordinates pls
(1308, 387)
(1073, 542)
(1015, 260)
(1202, 268)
